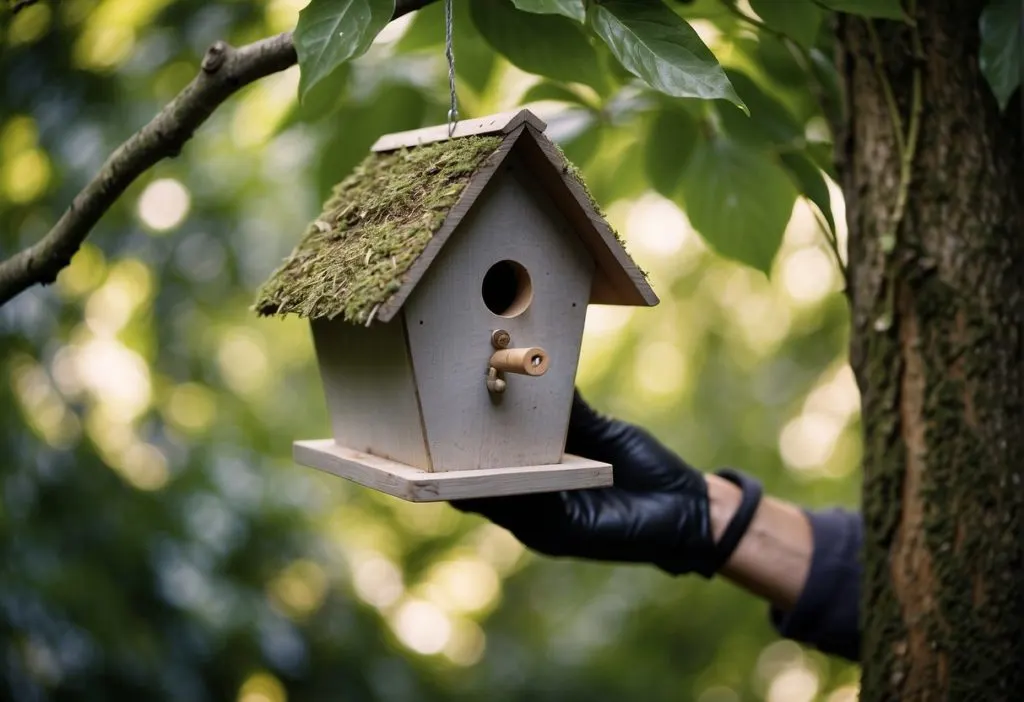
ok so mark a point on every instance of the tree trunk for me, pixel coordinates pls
(937, 293)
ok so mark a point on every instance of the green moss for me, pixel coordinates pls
(373, 227)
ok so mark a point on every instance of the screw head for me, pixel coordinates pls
(500, 339)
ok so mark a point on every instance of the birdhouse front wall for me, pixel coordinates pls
(515, 264)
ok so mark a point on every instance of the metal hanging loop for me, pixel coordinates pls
(449, 52)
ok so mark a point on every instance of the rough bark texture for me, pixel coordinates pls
(937, 350)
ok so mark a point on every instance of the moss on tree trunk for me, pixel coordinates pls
(937, 350)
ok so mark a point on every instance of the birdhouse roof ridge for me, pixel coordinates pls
(385, 223)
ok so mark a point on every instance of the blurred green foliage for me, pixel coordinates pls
(158, 542)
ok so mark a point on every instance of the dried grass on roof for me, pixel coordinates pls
(373, 227)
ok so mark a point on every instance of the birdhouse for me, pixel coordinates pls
(446, 283)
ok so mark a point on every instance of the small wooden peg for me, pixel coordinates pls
(495, 384)
(526, 361)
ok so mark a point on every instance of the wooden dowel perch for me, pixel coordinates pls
(527, 361)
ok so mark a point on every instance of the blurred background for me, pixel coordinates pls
(156, 540)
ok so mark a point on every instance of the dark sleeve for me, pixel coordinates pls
(826, 615)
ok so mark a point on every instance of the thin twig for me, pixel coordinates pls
(914, 128)
(224, 70)
(833, 243)
(890, 98)
(19, 5)
(906, 143)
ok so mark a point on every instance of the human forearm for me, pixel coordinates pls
(773, 558)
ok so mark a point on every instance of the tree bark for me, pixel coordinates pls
(937, 296)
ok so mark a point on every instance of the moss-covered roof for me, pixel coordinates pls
(373, 227)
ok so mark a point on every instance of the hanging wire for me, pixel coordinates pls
(449, 52)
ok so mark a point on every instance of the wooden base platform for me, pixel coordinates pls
(416, 485)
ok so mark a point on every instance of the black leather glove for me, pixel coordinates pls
(657, 512)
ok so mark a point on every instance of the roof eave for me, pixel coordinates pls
(617, 280)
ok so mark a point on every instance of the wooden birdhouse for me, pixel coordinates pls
(447, 282)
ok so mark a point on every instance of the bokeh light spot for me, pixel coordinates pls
(262, 687)
(29, 24)
(464, 585)
(128, 286)
(377, 581)
(143, 465)
(660, 370)
(26, 175)
(808, 440)
(795, 684)
(110, 30)
(163, 204)
(847, 693)
(19, 134)
(42, 404)
(242, 361)
(299, 589)
(808, 275)
(191, 407)
(658, 226)
(117, 377)
(261, 109)
(498, 547)
(282, 15)
(466, 645)
(86, 271)
(101, 47)
(422, 627)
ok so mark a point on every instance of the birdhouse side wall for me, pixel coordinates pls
(370, 391)
(450, 326)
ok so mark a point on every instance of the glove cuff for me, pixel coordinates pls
(740, 522)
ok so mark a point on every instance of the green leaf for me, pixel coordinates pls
(883, 9)
(739, 200)
(769, 123)
(322, 100)
(811, 183)
(616, 172)
(573, 9)
(656, 45)
(1001, 52)
(552, 91)
(670, 143)
(799, 20)
(330, 32)
(547, 45)
(822, 155)
(776, 59)
(580, 149)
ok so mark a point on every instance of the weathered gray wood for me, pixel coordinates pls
(370, 390)
(415, 485)
(618, 281)
(449, 329)
(472, 191)
(501, 123)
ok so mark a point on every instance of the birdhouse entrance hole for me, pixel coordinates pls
(507, 290)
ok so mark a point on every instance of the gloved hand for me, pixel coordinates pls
(657, 512)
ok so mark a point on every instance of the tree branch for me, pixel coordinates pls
(224, 70)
